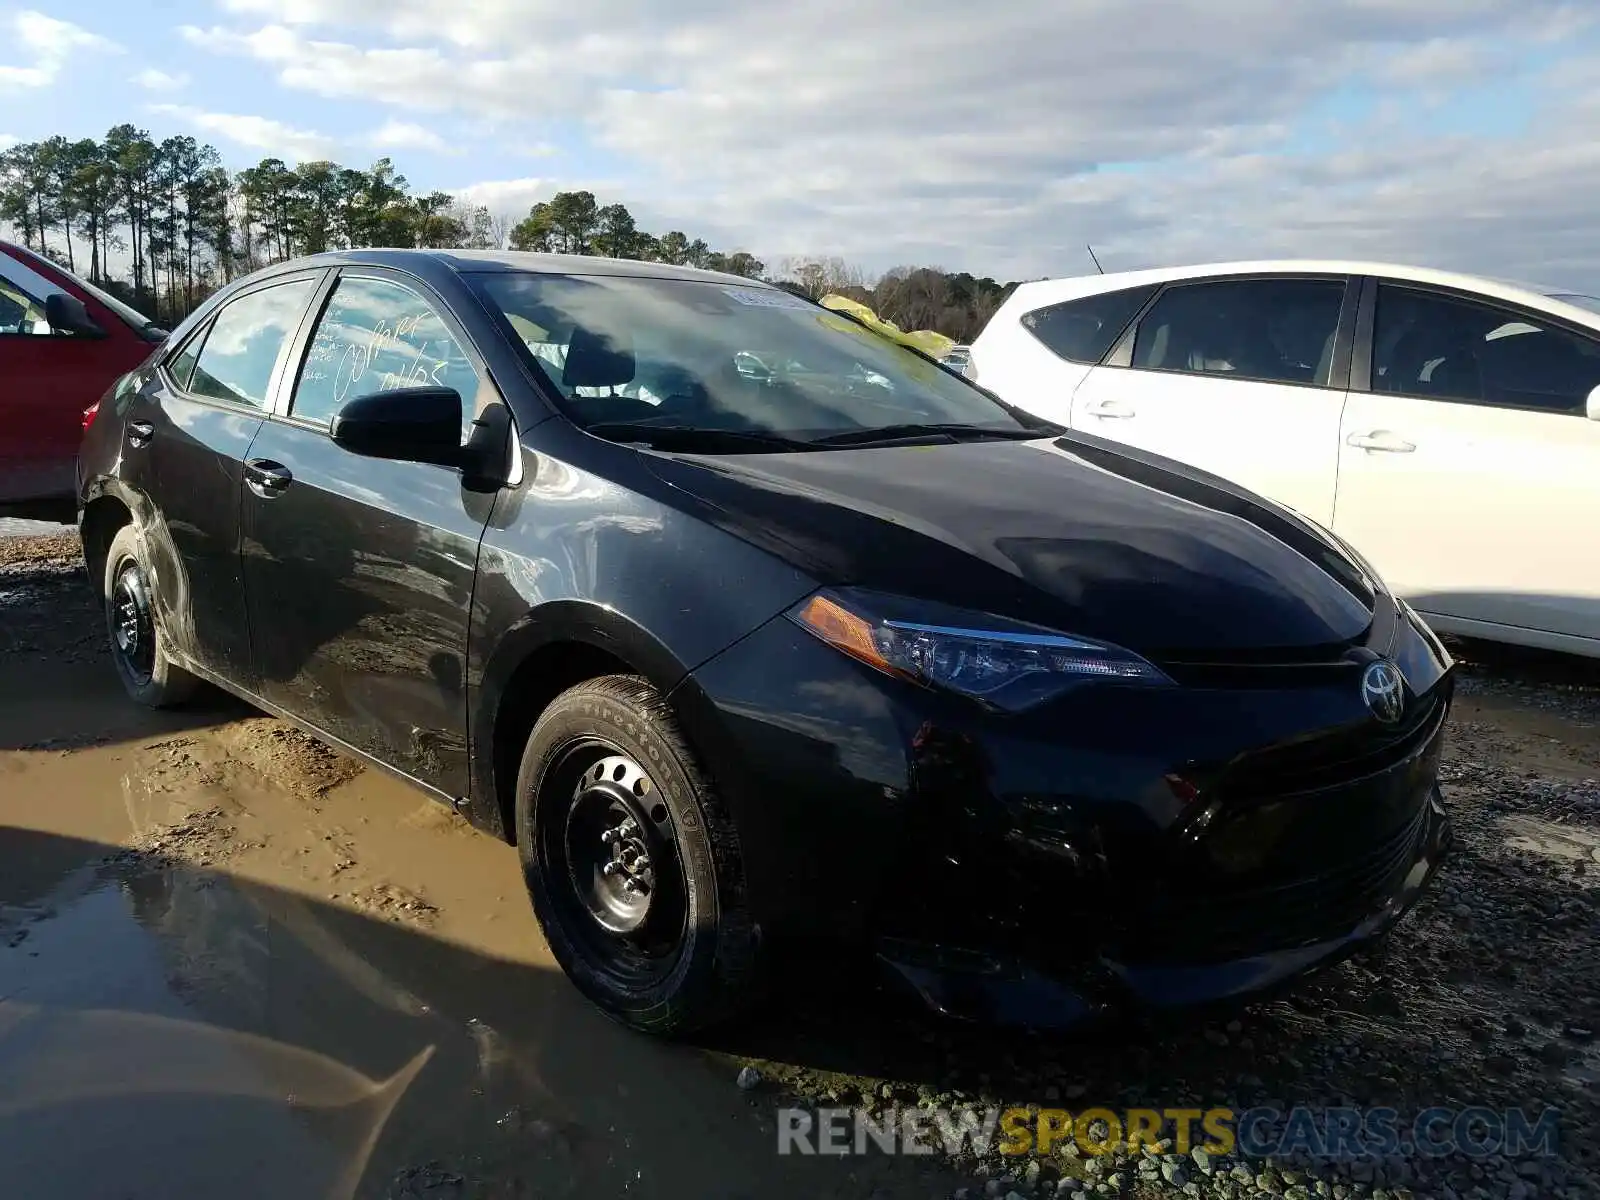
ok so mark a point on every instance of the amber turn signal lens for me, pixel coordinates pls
(843, 630)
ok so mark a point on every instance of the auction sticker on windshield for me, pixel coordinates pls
(766, 297)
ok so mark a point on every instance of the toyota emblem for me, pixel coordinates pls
(1384, 691)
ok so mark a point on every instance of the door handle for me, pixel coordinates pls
(1380, 439)
(267, 478)
(139, 434)
(1112, 409)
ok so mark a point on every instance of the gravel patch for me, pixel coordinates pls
(42, 552)
(1539, 681)
(48, 611)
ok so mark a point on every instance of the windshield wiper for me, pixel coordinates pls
(692, 438)
(897, 433)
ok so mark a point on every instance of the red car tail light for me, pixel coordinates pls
(89, 414)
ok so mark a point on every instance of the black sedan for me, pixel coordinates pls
(839, 646)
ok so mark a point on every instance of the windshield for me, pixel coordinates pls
(629, 353)
(1590, 302)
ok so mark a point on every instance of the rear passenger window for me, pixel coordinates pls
(1081, 331)
(246, 338)
(1267, 330)
(374, 335)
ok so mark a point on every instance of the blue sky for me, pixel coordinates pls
(152, 76)
(1451, 132)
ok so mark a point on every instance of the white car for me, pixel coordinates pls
(1446, 426)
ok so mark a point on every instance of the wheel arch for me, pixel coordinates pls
(105, 513)
(554, 647)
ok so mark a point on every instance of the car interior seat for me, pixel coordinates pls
(1432, 358)
(596, 366)
(598, 361)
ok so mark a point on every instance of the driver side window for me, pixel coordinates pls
(20, 312)
(376, 334)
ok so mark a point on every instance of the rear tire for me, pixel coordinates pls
(632, 862)
(138, 646)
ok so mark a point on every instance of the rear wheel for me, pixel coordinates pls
(137, 643)
(631, 861)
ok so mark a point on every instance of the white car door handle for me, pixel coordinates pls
(1111, 409)
(1380, 439)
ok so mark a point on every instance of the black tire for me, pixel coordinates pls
(691, 959)
(138, 648)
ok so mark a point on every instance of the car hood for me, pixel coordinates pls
(1070, 533)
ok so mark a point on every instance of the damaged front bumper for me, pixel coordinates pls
(1008, 989)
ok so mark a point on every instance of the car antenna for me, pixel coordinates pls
(1097, 265)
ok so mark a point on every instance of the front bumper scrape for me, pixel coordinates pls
(974, 985)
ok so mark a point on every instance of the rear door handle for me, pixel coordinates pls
(267, 478)
(1380, 439)
(1112, 409)
(140, 433)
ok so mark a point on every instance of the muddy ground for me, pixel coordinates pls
(231, 963)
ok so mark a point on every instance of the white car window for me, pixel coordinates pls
(1267, 330)
(1446, 348)
(1081, 331)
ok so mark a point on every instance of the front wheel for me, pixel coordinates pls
(137, 643)
(631, 861)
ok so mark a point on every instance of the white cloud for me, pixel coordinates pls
(48, 45)
(8, 140)
(509, 197)
(423, 78)
(156, 80)
(916, 130)
(403, 135)
(255, 133)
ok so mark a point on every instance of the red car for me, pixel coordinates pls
(63, 342)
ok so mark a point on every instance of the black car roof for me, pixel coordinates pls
(426, 262)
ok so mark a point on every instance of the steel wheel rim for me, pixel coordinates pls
(133, 629)
(613, 864)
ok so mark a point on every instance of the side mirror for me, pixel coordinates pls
(66, 314)
(1593, 406)
(417, 424)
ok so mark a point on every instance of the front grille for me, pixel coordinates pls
(1308, 842)
(1330, 760)
(1213, 924)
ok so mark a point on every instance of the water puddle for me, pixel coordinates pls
(214, 985)
(1555, 841)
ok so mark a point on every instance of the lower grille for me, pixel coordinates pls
(1217, 924)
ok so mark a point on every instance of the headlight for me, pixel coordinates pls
(1002, 663)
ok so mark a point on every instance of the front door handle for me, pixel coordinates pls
(1380, 439)
(267, 478)
(1112, 409)
(140, 433)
